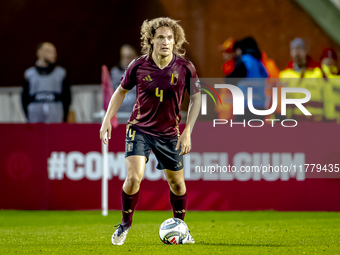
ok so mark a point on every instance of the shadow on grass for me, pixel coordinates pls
(246, 245)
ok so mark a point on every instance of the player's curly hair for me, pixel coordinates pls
(148, 31)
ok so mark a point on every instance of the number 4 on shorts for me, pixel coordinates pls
(132, 136)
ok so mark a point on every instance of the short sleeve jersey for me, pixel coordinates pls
(159, 93)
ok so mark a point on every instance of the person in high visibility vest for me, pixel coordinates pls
(329, 61)
(46, 93)
(303, 72)
(332, 87)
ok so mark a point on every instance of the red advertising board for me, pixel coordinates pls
(59, 166)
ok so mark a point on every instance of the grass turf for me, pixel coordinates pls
(87, 232)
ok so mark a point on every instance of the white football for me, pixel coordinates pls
(173, 231)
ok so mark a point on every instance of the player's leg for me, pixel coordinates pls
(172, 163)
(130, 193)
(135, 170)
(137, 152)
(178, 195)
(170, 160)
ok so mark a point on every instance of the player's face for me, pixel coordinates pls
(163, 41)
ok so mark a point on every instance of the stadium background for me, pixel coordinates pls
(50, 175)
(87, 35)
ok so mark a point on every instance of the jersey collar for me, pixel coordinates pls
(174, 56)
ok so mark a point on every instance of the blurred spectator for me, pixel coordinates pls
(270, 65)
(46, 95)
(332, 85)
(127, 54)
(300, 67)
(225, 111)
(329, 61)
(248, 65)
(300, 61)
(228, 55)
(232, 53)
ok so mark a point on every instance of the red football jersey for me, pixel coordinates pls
(159, 93)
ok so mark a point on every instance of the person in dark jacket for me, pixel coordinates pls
(46, 95)
(248, 65)
(248, 60)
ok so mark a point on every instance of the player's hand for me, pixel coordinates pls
(106, 127)
(184, 142)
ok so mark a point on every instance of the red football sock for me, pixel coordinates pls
(129, 203)
(179, 204)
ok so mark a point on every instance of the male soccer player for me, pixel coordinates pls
(161, 75)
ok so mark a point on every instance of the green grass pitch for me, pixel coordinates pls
(87, 232)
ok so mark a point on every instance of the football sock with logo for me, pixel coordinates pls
(129, 203)
(179, 204)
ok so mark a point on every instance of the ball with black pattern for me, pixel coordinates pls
(173, 231)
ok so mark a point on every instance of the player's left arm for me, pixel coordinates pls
(184, 140)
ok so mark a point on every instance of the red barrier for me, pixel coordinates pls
(58, 166)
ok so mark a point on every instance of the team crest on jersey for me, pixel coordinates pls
(174, 78)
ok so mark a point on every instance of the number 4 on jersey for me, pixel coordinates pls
(160, 95)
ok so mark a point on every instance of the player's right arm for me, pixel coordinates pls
(115, 102)
(128, 81)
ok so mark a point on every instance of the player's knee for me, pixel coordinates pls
(178, 187)
(133, 181)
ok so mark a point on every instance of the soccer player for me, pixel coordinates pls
(161, 75)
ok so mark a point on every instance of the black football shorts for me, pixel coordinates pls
(139, 143)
